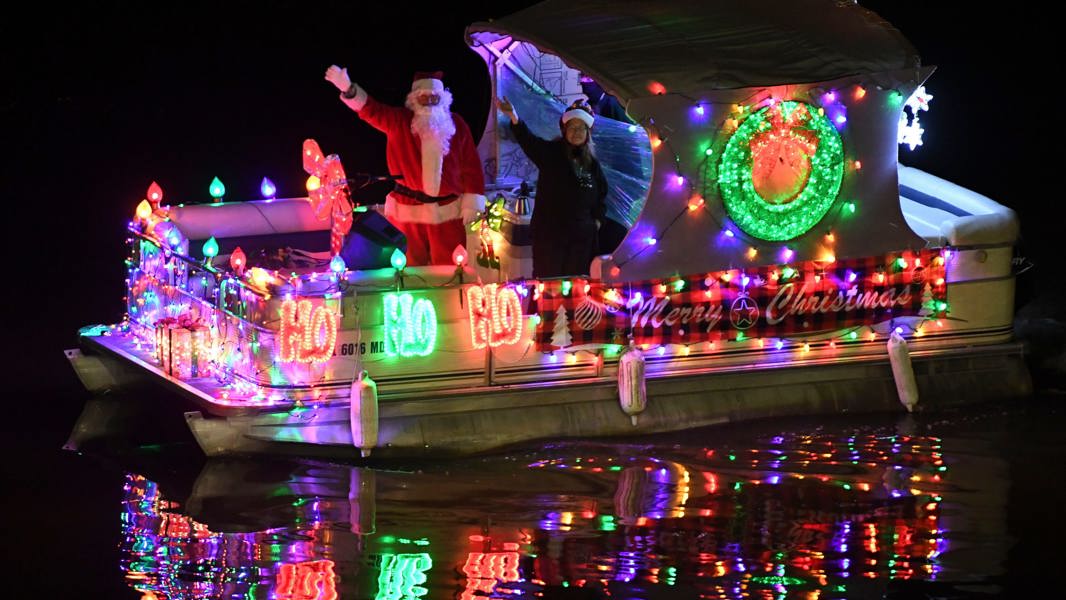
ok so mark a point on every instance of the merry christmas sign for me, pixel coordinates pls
(766, 301)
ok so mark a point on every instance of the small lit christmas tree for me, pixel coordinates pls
(561, 332)
(928, 303)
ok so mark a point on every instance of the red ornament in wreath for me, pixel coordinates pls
(781, 156)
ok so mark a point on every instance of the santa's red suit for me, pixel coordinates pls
(442, 174)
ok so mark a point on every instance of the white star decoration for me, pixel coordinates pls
(910, 131)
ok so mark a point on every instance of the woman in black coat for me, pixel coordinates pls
(571, 191)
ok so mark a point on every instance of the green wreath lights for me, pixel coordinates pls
(792, 133)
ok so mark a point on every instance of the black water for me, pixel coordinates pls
(954, 505)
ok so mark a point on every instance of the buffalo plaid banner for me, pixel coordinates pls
(766, 301)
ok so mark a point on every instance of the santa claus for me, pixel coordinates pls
(433, 150)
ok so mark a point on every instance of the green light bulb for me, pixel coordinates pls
(398, 260)
(217, 190)
(211, 247)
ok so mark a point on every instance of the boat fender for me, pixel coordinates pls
(364, 413)
(902, 371)
(632, 393)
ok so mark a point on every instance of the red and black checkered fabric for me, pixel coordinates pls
(767, 301)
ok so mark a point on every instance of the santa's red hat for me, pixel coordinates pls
(430, 81)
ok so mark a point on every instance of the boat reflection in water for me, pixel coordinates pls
(806, 516)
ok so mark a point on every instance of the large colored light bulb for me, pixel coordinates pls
(237, 261)
(398, 259)
(267, 188)
(459, 255)
(144, 210)
(155, 195)
(337, 264)
(211, 247)
(217, 190)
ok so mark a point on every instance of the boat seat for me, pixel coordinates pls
(945, 213)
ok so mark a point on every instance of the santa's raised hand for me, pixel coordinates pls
(338, 77)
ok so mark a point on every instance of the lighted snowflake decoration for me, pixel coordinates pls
(910, 130)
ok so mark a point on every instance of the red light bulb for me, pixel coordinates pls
(459, 256)
(237, 261)
(155, 195)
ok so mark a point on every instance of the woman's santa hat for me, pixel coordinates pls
(580, 110)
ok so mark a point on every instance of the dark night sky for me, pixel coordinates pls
(104, 99)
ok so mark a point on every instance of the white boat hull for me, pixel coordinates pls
(488, 419)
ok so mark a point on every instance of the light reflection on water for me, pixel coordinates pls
(853, 512)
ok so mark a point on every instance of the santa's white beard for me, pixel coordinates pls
(433, 122)
(435, 127)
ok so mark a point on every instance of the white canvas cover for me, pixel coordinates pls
(235, 219)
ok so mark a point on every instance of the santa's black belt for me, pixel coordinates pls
(422, 197)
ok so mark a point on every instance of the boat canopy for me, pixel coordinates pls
(638, 49)
(689, 74)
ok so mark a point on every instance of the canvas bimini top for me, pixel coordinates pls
(756, 131)
(698, 45)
